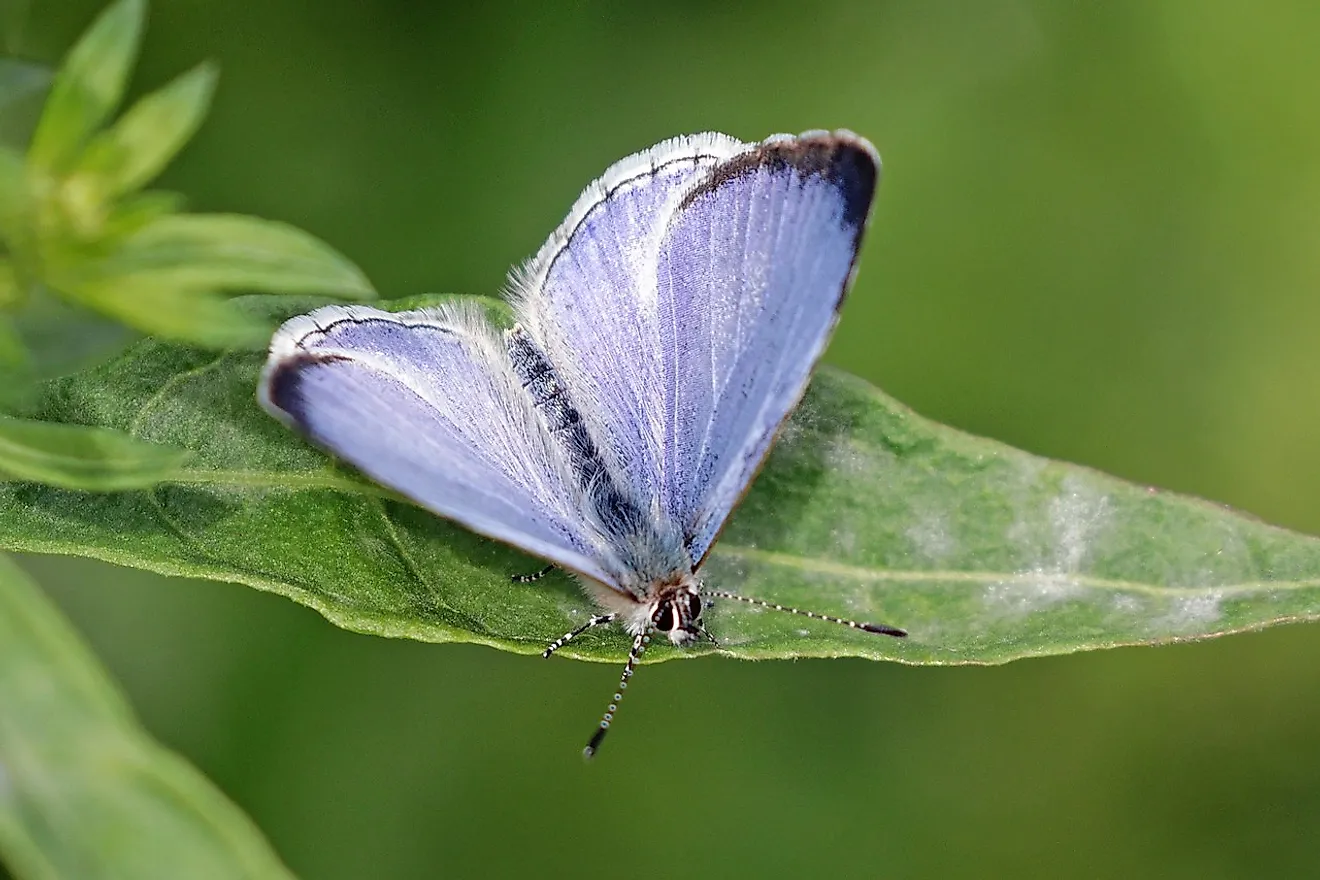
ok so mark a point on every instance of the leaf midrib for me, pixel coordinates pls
(294, 482)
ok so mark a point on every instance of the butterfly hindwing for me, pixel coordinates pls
(427, 404)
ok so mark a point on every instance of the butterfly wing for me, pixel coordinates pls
(591, 300)
(427, 404)
(753, 270)
(703, 323)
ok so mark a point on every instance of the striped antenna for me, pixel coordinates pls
(643, 639)
(879, 628)
(640, 641)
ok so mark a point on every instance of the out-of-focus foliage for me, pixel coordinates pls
(78, 457)
(74, 224)
(86, 256)
(83, 791)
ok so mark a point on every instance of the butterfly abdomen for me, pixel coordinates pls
(620, 516)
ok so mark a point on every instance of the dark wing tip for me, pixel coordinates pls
(843, 159)
(282, 389)
(846, 161)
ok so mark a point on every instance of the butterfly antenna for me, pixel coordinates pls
(880, 628)
(640, 641)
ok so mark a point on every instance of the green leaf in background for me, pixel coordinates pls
(9, 295)
(80, 457)
(163, 276)
(232, 252)
(62, 337)
(11, 189)
(88, 86)
(74, 228)
(134, 213)
(984, 553)
(84, 792)
(144, 140)
(13, 356)
(165, 308)
(22, 86)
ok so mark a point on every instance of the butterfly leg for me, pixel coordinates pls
(533, 577)
(569, 636)
(707, 604)
(705, 634)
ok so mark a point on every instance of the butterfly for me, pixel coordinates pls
(664, 333)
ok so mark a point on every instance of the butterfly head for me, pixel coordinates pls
(676, 612)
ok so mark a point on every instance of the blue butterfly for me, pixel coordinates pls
(665, 331)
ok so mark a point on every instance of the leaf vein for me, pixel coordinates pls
(852, 572)
(327, 481)
(415, 572)
(178, 378)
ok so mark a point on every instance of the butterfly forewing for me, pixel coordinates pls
(752, 272)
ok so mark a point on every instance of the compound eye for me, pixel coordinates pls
(664, 618)
(694, 607)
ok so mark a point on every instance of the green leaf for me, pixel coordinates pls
(10, 295)
(164, 307)
(80, 457)
(12, 190)
(88, 85)
(84, 792)
(134, 213)
(13, 354)
(137, 147)
(233, 252)
(62, 337)
(22, 86)
(982, 552)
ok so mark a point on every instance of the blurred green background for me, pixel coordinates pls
(1098, 239)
